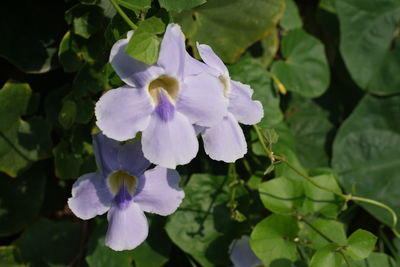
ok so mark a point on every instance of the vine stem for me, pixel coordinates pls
(347, 197)
(123, 14)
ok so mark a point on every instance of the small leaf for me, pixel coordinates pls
(330, 228)
(85, 20)
(305, 68)
(144, 44)
(270, 135)
(281, 195)
(327, 256)
(67, 114)
(272, 238)
(360, 244)
(10, 257)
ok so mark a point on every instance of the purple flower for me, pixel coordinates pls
(225, 141)
(161, 100)
(241, 254)
(125, 190)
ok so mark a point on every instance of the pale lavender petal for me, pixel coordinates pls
(245, 110)
(225, 141)
(159, 191)
(202, 100)
(211, 59)
(194, 66)
(106, 153)
(127, 228)
(172, 51)
(122, 112)
(169, 143)
(133, 72)
(241, 254)
(131, 158)
(199, 129)
(90, 196)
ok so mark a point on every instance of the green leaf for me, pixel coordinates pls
(327, 257)
(137, 4)
(365, 154)
(318, 200)
(90, 79)
(230, 26)
(360, 244)
(305, 68)
(144, 44)
(67, 114)
(291, 18)
(10, 257)
(330, 228)
(69, 59)
(367, 43)
(32, 32)
(311, 127)
(179, 5)
(202, 226)
(21, 142)
(272, 238)
(85, 20)
(59, 243)
(66, 163)
(252, 72)
(376, 259)
(281, 195)
(20, 200)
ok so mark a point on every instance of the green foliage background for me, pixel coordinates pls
(327, 73)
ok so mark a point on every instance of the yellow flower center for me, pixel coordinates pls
(122, 178)
(168, 84)
(227, 85)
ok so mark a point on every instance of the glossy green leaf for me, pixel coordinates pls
(59, 243)
(179, 5)
(311, 128)
(21, 142)
(365, 154)
(144, 44)
(318, 200)
(360, 244)
(20, 200)
(202, 226)
(33, 32)
(281, 195)
(334, 230)
(304, 69)
(270, 46)
(252, 72)
(368, 43)
(230, 26)
(272, 238)
(291, 18)
(327, 257)
(10, 257)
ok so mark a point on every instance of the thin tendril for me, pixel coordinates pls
(123, 14)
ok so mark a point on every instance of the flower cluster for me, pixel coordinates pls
(169, 102)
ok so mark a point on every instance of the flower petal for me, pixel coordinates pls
(106, 153)
(90, 196)
(194, 66)
(122, 112)
(159, 191)
(225, 141)
(241, 254)
(172, 51)
(202, 101)
(131, 158)
(127, 228)
(211, 59)
(169, 143)
(133, 72)
(245, 110)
